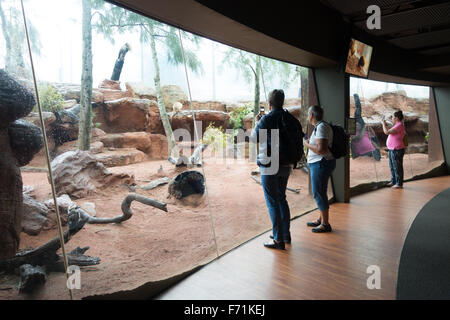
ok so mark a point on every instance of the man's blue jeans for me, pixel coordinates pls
(396, 166)
(275, 193)
(320, 173)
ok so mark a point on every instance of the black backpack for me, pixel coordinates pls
(291, 139)
(339, 147)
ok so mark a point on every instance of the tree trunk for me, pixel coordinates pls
(7, 40)
(304, 82)
(84, 131)
(162, 108)
(257, 91)
(119, 62)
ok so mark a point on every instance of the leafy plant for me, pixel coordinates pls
(51, 100)
(215, 138)
(238, 114)
(427, 136)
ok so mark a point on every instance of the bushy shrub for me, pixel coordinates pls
(51, 100)
(238, 114)
(215, 138)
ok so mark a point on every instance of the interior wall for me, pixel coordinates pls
(333, 95)
(442, 100)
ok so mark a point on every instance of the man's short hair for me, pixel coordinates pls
(276, 98)
(317, 112)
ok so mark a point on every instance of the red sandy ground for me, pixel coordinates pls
(154, 245)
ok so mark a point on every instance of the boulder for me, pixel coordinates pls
(155, 124)
(140, 90)
(79, 174)
(172, 94)
(49, 119)
(26, 140)
(65, 128)
(16, 101)
(97, 133)
(72, 92)
(110, 94)
(63, 201)
(109, 84)
(207, 105)
(159, 147)
(69, 103)
(34, 216)
(96, 147)
(184, 119)
(138, 140)
(125, 115)
(121, 157)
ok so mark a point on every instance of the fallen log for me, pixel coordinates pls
(290, 189)
(45, 255)
(31, 278)
(155, 183)
(126, 209)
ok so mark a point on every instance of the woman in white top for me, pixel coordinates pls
(321, 164)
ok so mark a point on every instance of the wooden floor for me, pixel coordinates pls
(368, 231)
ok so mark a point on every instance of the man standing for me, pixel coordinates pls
(271, 133)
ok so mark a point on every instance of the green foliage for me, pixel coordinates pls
(115, 19)
(215, 138)
(238, 114)
(427, 136)
(245, 63)
(51, 100)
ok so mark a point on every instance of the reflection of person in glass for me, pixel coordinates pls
(396, 148)
(365, 142)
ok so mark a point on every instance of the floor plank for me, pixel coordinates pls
(369, 231)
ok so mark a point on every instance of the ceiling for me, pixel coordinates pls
(412, 46)
(419, 26)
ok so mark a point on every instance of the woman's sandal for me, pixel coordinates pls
(322, 228)
(314, 223)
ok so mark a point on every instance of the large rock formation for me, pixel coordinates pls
(138, 140)
(15, 102)
(172, 94)
(34, 216)
(208, 105)
(121, 157)
(79, 174)
(129, 115)
(72, 92)
(184, 119)
(140, 90)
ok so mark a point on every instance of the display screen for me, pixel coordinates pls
(358, 59)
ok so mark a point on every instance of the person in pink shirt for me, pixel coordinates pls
(396, 148)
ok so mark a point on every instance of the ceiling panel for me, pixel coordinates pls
(348, 7)
(413, 19)
(422, 39)
(437, 51)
